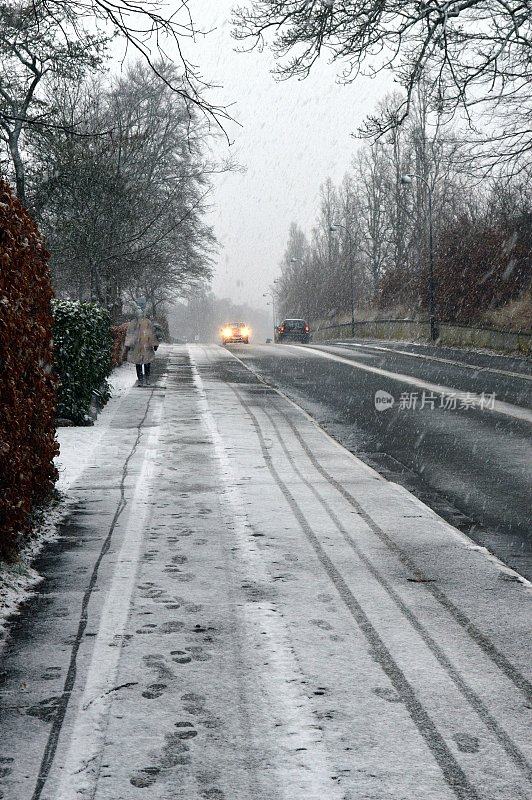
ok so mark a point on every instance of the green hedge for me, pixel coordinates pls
(82, 354)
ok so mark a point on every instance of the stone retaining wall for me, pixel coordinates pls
(450, 335)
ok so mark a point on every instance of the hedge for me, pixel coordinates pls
(82, 354)
(27, 388)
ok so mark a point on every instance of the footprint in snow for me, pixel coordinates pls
(144, 777)
(321, 623)
(186, 730)
(466, 743)
(50, 673)
(180, 657)
(45, 710)
(154, 690)
(172, 626)
(385, 693)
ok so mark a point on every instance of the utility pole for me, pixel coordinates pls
(271, 293)
(406, 180)
(333, 228)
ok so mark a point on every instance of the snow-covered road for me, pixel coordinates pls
(239, 609)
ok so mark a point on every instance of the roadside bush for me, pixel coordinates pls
(82, 354)
(27, 390)
(118, 333)
(483, 268)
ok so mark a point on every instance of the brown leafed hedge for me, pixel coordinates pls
(119, 339)
(27, 384)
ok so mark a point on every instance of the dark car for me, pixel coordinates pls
(293, 330)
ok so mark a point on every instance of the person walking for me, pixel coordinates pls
(141, 343)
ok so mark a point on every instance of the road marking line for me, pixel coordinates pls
(435, 358)
(500, 407)
(302, 760)
(483, 641)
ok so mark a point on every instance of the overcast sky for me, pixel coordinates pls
(294, 135)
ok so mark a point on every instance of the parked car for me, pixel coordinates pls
(235, 332)
(294, 330)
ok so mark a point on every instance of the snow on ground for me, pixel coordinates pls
(271, 619)
(78, 444)
(19, 580)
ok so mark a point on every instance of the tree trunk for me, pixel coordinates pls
(18, 164)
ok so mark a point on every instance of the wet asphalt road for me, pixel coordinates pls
(471, 465)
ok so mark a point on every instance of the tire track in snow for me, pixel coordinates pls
(452, 772)
(475, 634)
(508, 745)
(306, 774)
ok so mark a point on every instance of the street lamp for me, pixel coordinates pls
(406, 180)
(305, 267)
(333, 228)
(271, 293)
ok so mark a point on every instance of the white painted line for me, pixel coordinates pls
(462, 537)
(302, 763)
(80, 768)
(499, 406)
(427, 357)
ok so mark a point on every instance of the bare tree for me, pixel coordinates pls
(482, 231)
(36, 52)
(397, 152)
(371, 176)
(124, 213)
(294, 287)
(474, 54)
(149, 29)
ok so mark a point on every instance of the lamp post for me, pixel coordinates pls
(406, 180)
(271, 293)
(334, 227)
(304, 264)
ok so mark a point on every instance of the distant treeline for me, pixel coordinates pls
(372, 233)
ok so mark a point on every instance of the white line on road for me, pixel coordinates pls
(460, 535)
(441, 360)
(499, 406)
(301, 761)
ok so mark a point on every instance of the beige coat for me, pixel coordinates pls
(141, 341)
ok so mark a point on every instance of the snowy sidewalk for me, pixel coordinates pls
(78, 445)
(238, 608)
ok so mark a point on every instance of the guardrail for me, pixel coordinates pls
(450, 334)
